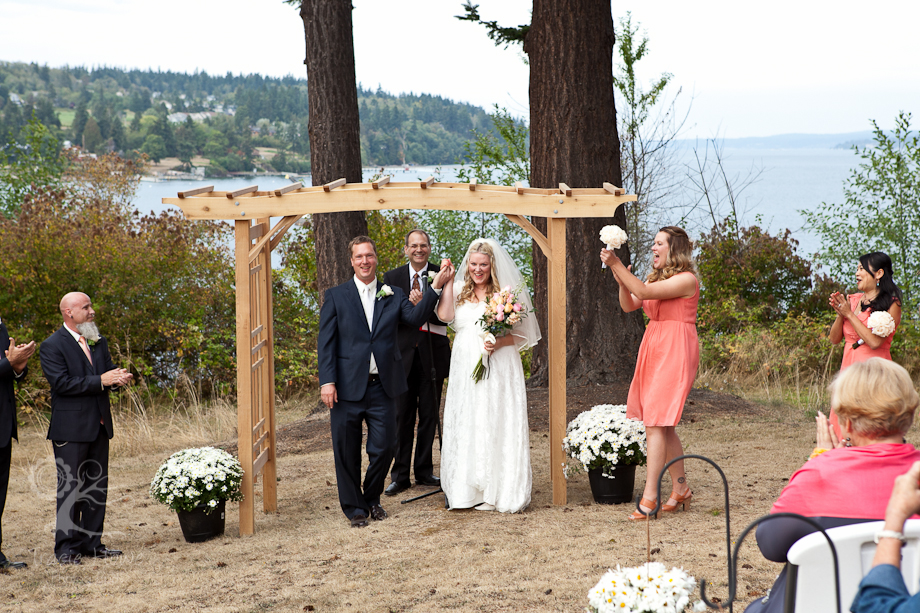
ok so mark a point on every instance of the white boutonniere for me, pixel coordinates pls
(384, 292)
(431, 275)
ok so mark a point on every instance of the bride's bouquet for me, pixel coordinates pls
(502, 313)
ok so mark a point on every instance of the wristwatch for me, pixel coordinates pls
(890, 534)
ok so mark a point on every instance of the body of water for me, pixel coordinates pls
(791, 180)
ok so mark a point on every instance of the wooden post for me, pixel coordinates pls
(556, 301)
(244, 373)
(269, 471)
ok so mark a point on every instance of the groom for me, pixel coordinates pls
(361, 374)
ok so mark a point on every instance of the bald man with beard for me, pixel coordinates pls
(77, 364)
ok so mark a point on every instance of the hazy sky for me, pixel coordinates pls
(750, 69)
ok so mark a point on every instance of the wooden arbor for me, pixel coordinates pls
(251, 210)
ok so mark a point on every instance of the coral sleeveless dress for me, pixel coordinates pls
(860, 354)
(667, 363)
(863, 352)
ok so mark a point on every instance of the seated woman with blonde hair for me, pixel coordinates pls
(846, 482)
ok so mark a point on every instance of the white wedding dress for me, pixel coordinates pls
(486, 442)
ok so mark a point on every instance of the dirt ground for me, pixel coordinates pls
(312, 433)
(305, 557)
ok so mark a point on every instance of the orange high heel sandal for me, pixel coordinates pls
(682, 501)
(638, 516)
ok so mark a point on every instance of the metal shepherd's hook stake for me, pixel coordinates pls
(732, 558)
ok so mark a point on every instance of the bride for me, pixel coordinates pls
(485, 459)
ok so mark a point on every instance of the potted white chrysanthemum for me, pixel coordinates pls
(196, 483)
(609, 446)
(650, 588)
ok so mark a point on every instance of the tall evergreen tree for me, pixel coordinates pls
(79, 123)
(335, 142)
(92, 136)
(574, 140)
(117, 133)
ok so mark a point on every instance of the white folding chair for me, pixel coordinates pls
(810, 580)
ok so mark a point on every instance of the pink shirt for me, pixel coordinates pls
(851, 482)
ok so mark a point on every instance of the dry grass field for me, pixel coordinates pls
(305, 557)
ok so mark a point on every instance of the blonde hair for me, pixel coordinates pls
(680, 251)
(466, 294)
(877, 396)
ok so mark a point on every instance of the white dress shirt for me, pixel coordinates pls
(368, 296)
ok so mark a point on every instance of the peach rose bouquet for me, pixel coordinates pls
(503, 311)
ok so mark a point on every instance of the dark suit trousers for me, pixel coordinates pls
(83, 479)
(6, 455)
(379, 411)
(422, 399)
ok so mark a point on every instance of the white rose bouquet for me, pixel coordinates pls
(603, 437)
(193, 477)
(881, 323)
(613, 237)
(650, 588)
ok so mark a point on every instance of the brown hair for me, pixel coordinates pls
(360, 240)
(680, 255)
(876, 396)
(418, 231)
(466, 294)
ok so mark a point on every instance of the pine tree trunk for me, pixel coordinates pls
(335, 145)
(573, 140)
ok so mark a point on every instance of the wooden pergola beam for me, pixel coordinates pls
(499, 199)
(241, 206)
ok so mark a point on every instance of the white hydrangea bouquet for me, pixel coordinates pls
(650, 588)
(193, 477)
(603, 437)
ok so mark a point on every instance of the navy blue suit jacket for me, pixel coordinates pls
(8, 429)
(78, 400)
(345, 344)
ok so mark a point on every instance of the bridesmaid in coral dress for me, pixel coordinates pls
(668, 357)
(877, 292)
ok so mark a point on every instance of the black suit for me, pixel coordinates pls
(8, 427)
(421, 352)
(344, 350)
(80, 429)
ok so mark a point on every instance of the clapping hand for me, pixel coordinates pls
(116, 377)
(905, 498)
(826, 437)
(839, 303)
(19, 355)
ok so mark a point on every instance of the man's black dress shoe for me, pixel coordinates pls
(377, 512)
(359, 521)
(102, 552)
(69, 558)
(7, 563)
(429, 480)
(397, 487)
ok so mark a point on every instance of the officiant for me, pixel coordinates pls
(426, 357)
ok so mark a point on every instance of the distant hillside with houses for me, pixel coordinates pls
(227, 123)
